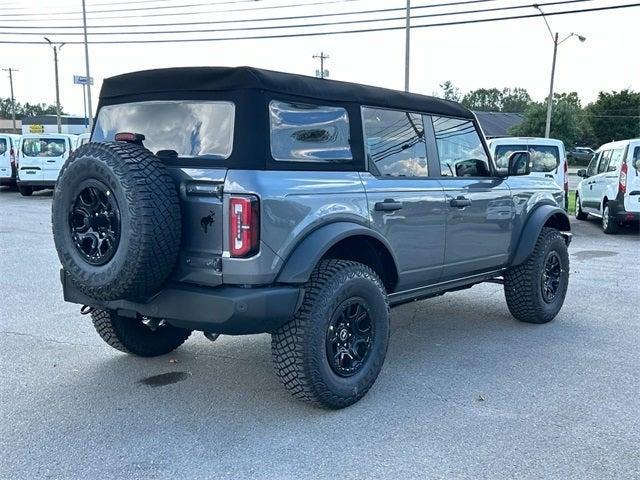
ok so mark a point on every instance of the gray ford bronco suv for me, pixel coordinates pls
(241, 201)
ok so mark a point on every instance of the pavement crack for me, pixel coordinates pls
(44, 339)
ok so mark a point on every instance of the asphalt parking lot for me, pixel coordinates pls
(466, 391)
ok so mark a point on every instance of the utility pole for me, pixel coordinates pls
(322, 73)
(13, 100)
(55, 62)
(86, 63)
(556, 43)
(407, 47)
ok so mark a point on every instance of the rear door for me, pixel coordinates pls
(55, 154)
(632, 193)
(5, 157)
(478, 207)
(31, 163)
(405, 199)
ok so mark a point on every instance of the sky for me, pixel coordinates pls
(515, 53)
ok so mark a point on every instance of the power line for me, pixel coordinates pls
(271, 7)
(338, 32)
(271, 27)
(294, 17)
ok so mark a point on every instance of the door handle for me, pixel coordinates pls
(460, 202)
(51, 161)
(388, 205)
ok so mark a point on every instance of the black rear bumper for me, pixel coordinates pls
(228, 310)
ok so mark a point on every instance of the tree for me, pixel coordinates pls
(614, 116)
(27, 110)
(483, 99)
(450, 91)
(515, 100)
(564, 120)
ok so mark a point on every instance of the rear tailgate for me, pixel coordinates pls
(632, 194)
(201, 205)
(5, 157)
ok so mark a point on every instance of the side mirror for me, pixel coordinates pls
(582, 173)
(519, 163)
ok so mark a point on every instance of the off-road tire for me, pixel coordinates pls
(298, 348)
(150, 220)
(580, 215)
(130, 335)
(610, 224)
(25, 190)
(523, 283)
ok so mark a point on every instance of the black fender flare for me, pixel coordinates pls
(533, 226)
(306, 255)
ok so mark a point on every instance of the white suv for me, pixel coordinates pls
(548, 157)
(611, 186)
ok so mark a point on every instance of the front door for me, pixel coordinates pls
(479, 206)
(405, 198)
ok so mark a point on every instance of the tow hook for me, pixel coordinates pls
(211, 336)
(86, 309)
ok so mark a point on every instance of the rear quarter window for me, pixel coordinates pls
(635, 158)
(3, 146)
(44, 147)
(309, 133)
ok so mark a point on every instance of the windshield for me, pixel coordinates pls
(194, 129)
(44, 147)
(544, 158)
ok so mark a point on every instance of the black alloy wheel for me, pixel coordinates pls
(551, 274)
(94, 221)
(349, 337)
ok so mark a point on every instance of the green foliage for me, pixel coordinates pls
(484, 100)
(564, 120)
(614, 116)
(450, 91)
(27, 110)
(515, 100)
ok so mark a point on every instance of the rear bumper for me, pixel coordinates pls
(617, 208)
(228, 310)
(37, 183)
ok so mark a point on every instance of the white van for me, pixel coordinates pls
(82, 139)
(548, 157)
(611, 186)
(8, 147)
(40, 158)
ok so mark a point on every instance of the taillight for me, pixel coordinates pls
(244, 226)
(622, 184)
(566, 176)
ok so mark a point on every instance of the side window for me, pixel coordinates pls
(593, 164)
(604, 161)
(616, 160)
(309, 133)
(395, 142)
(635, 159)
(460, 149)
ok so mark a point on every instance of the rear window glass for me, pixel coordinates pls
(3, 146)
(44, 147)
(544, 158)
(309, 133)
(635, 159)
(193, 129)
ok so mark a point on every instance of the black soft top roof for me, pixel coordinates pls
(219, 79)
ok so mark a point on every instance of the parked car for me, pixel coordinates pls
(82, 139)
(241, 201)
(581, 155)
(8, 148)
(40, 158)
(610, 189)
(547, 154)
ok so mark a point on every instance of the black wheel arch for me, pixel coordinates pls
(339, 240)
(543, 216)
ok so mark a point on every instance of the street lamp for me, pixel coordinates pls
(55, 63)
(556, 42)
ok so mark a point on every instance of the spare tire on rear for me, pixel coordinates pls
(116, 221)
